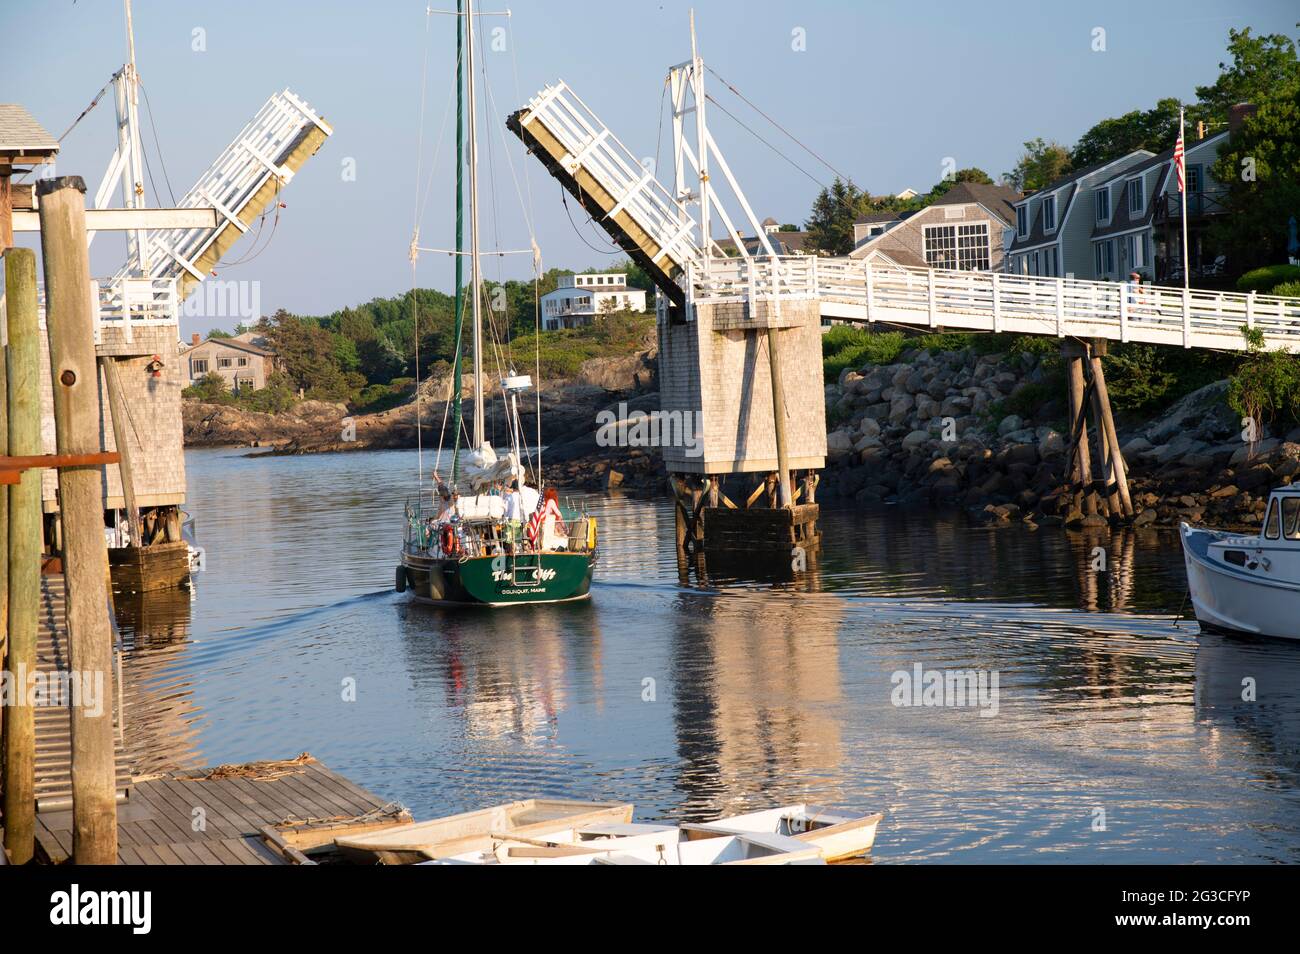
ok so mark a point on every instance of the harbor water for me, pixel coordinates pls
(1103, 732)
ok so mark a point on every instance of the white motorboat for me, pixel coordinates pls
(836, 836)
(1249, 584)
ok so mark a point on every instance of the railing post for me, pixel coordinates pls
(997, 304)
(1187, 315)
(870, 295)
(1060, 308)
(1250, 309)
(1123, 310)
(929, 292)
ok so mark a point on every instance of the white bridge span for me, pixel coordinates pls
(857, 291)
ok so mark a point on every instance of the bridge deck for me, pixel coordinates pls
(859, 291)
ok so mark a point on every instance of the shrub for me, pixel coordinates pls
(1266, 385)
(1265, 280)
(848, 347)
(1144, 378)
(210, 388)
(1287, 290)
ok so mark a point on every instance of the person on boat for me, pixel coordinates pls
(546, 528)
(514, 516)
(445, 504)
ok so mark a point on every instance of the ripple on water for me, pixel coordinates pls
(699, 696)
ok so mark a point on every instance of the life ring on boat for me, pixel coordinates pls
(447, 540)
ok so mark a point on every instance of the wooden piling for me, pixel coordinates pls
(1109, 432)
(70, 325)
(22, 547)
(1084, 494)
(1109, 499)
(778, 417)
(117, 410)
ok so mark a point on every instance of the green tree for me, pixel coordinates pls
(1260, 168)
(1040, 164)
(1260, 67)
(219, 333)
(1152, 129)
(941, 188)
(830, 227)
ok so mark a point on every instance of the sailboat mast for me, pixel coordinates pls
(460, 236)
(473, 227)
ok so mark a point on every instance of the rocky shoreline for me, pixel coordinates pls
(931, 429)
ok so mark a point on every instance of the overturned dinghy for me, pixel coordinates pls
(481, 830)
(1248, 584)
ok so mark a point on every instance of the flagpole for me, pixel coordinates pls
(1182, 187)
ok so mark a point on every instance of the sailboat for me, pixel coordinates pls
(486, 535)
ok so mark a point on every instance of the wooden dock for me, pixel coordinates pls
(230, 815)
(259, 813)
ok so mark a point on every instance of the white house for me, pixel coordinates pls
(580, 298)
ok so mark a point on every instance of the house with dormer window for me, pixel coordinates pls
(1053, 226)
(1138, 216)
(962, 229)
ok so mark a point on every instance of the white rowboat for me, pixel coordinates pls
(836, 836)
(481, 830)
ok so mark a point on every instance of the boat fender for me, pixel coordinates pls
(401, 579)
(591, 533)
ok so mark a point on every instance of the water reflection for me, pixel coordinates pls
(738, 689)
(161, 723)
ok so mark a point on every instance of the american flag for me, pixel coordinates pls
(1180, 164)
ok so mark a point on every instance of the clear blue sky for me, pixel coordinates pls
(885, 91)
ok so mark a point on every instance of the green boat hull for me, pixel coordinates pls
(499, 580)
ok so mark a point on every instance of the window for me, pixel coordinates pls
(1194, 181)
(876, 230)
(1136, 196)
(243, 362)
(198, 366)
(1290, 511)
(1136, 248)
(958, 246)
(1272, 525)
(223, 362)
(1049, 214)
(1022, 221)
(1104, 257)
(1103, 204)
(1034, 269)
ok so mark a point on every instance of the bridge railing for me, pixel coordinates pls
(996, 301)
(592, 147)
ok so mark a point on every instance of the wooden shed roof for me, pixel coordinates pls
(22, 138)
